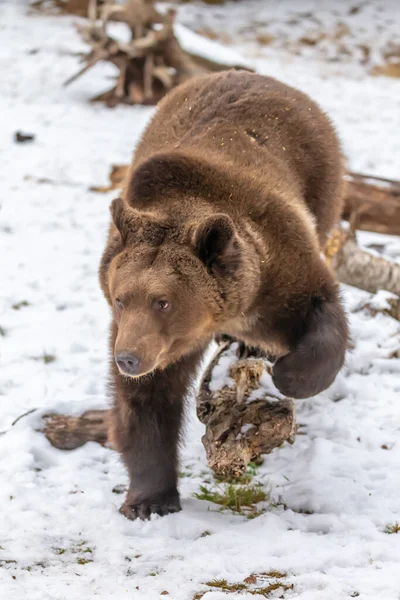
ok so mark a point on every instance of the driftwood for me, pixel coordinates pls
(373, 202)
(246, 417)
(150, 64)
(67, 433)
(354, 266)
(73, 7)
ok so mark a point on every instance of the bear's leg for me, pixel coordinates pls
(145, 428)
(243, 350)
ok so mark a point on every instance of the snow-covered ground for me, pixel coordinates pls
(334, 495)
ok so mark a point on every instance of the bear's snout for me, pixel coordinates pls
(128, 363)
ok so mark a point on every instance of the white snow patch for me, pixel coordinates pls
(266, 388)
(246, 428)
(220, 375)
(381, 300)
(209, 49)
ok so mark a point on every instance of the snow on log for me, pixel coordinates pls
(374, 202)
(357, 267)
(158, 56)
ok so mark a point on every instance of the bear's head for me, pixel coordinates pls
(169, 285)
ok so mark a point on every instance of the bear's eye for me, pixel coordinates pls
(161, 305)
(119, 304)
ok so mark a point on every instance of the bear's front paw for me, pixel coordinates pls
(289, 381)
(313, 365)
(161, 504)
(243, 352)
(298, 378)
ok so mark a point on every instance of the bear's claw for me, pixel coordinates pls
(161, 504)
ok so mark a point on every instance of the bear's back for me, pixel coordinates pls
(247, 123)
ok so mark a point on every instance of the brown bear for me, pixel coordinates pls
(233, 189)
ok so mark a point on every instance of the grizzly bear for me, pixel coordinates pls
(233, 189)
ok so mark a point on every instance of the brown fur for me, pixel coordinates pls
(233, 189)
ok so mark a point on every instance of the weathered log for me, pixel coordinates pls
(75, 7)
(67, 433)
(357, 267)
(374, 202)
(245, 415)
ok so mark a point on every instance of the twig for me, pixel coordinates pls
(28, 412)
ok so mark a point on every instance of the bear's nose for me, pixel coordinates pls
(128, 363)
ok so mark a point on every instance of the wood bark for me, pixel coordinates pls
(73, 7)
(373, 203)
(388, 305)
(67, 433)
(150, 64)
(357, 267)
(240, 429)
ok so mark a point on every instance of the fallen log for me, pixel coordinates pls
(357, 267)
(67, 433)
(374, 202)
(116, 180)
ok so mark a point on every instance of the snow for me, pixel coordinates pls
(333, 493)
(221, 378)
(381, 300)
(266, 387)
(209, 49)
(220, 375)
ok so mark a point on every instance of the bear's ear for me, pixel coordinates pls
(138, 226)
(216, 243)
(125, 219)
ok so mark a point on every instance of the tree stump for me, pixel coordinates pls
(245, 415)
(150, 63)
